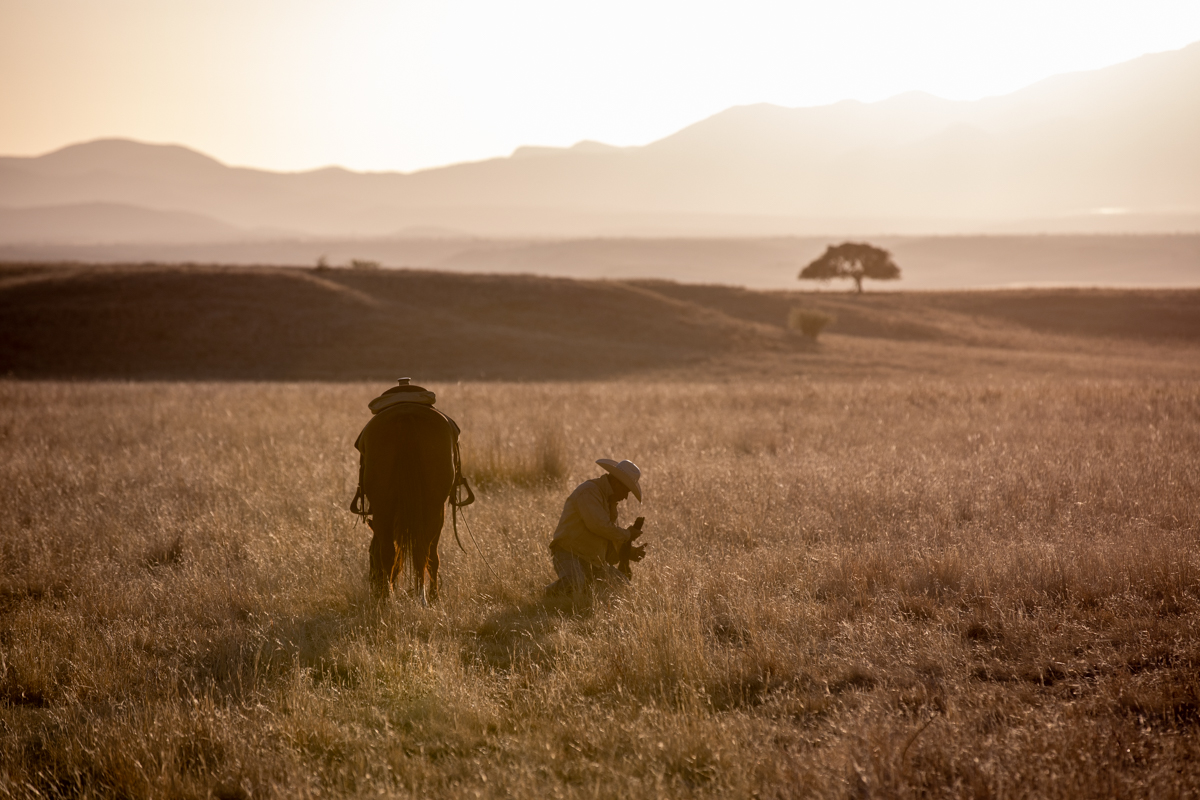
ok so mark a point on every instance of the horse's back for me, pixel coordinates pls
(407, 447)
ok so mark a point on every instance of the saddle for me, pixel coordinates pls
(407, 398)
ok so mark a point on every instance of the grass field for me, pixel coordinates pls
(890, 586)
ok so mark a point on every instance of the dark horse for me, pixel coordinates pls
(407, 470)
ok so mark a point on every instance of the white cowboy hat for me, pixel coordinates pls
(626, 472)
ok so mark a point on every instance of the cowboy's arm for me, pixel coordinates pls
(593, 510)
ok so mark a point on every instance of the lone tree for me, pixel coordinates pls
(850, 260)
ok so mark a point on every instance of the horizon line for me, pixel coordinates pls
(568, 148)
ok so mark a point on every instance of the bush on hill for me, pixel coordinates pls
(809, 322)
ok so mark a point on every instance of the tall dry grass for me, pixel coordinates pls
(911, 588)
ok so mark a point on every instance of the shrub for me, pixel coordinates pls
(359, 263)
(809, 322)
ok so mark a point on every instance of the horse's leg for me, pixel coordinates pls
(437, 520)
(433, 568)
(399, 537)
(397, 566)
(425, 554)
(382, 556)
(420, 558)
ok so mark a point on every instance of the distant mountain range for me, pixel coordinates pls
(110, 223)
(1112, 150)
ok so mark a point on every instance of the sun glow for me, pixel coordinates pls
(384, 85)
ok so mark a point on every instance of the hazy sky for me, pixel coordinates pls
(390, 84)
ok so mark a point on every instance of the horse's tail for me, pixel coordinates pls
(409, 488)
(422, 475)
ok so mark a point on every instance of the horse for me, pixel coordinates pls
(408, 468)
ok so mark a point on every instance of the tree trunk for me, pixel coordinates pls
(858, 282)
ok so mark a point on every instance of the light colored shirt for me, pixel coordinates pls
(588, 526)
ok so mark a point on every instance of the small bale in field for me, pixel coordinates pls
(809, 321)
(164, 554)
(14, 692)
(855, 678)
(979, 630)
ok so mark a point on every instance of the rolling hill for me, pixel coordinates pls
(260, 323)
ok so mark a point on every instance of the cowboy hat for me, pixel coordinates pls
(626, 472)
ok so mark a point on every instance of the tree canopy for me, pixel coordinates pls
(851, 260)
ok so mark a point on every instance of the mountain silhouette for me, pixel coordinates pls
(113, 223)
(1107, 150)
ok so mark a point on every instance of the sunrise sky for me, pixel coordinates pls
(391, 85)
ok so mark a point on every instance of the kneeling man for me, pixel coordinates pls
(587, 541)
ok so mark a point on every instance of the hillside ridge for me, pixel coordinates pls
(149, 322)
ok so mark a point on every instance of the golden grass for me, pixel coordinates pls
(882, 588)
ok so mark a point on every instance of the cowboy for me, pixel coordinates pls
(587, 540)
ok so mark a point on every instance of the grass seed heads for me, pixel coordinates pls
(902, 588)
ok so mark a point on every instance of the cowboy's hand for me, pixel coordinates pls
(637, 553)
(634, 533)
